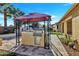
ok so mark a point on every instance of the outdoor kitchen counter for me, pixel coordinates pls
(28, 38)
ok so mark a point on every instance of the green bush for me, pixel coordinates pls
(7, 53)
(57, 33)
(68, 41)
(11, 54)
(64, 40)
(71, 44)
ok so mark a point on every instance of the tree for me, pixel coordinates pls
(4, 9)
(9, 10)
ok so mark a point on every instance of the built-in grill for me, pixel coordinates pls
(37, 35)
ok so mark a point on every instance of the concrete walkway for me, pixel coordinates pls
(8, 41)
(8, 44)
(8, 36)
(57, 43)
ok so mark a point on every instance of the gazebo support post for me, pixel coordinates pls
(17, 33)
(48, 30)
(44, 35)
(18, 41)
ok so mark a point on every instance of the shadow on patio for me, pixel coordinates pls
(32, 51)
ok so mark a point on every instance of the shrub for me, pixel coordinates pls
(66, 40)
(71, 44)
(7, 53)
(57, 33)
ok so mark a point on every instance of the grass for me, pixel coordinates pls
(56, 33)
(7, 53)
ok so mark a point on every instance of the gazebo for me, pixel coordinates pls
(34, 17)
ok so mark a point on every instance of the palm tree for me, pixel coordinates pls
(4, 10)
(15, 13)
(10, 11)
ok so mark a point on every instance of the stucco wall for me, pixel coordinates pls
(55, 28)
(75, 23)
(62, 27)
(59, 27)
(75, 28)
(69, 27)
(74, 16)
(65, 27)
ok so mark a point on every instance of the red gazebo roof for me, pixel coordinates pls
(33, 17)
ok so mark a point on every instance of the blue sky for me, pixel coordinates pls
(56, 10)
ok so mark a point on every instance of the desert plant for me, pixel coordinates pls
(57, 33)
(71, 44)
(67, 40)
(64, 40)
(7, 53)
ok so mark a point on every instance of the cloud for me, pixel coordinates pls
(53, 16)
(66, 4)
(53, 19)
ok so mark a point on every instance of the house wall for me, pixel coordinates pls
(59, 27)
(74, 16)
(69, 27)
(62, 27)
(75, 28)
(55, 28)
(75, 23)
(65, 27)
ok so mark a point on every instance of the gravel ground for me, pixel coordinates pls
(71, 51)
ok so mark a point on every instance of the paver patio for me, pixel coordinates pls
(33, 51)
